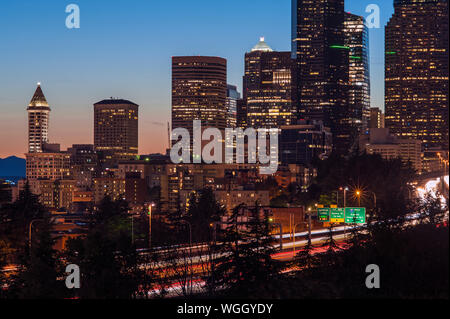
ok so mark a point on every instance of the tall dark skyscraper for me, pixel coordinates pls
(38, 121)
(268, 87)
(116, 130)
(199, 91)
(357, 39)
(322, 68)
(376, 118)
(416, 75)
(241, 113)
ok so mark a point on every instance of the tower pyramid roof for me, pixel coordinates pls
(38, 98)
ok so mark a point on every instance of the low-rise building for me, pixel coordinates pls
(48, 166)
(115, 188)
(380, 141)
(301, 143)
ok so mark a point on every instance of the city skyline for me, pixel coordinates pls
(207, 150)
(145, 78)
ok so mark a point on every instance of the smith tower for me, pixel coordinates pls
(322, 66)
(38, 120)
(416, 79)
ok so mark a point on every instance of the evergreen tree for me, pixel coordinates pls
(305, 258)
(203, 211)
(40, 269)
(108, 260)
(329, 256)
(431, 209)
(246, 267)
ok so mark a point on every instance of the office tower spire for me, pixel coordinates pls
(38, 121)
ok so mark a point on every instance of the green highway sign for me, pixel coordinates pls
(337, 215)
(323, 214)
(355, 215)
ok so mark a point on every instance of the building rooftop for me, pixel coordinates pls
(114, 102)
(262, 46)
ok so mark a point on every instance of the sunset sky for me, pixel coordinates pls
(124, 49)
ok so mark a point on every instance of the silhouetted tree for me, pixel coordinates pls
(245, 267)
(40, 269)
(203, 211)
(108, 260)
(305, 258)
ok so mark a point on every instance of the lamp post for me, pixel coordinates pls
(358, 195)
(293, 241)
(345, 190)
(149, 213)
(214, 229)
(281, 234)
(271, 220)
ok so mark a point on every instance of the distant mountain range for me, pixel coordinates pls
(12, 167)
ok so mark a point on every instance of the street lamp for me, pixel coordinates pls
(345, 190)
(293, 241)
(190, 230)
(271, 220)
(214, 229)
(358, 195)
(149, 213)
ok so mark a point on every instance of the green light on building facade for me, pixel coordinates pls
(391, 52)
(355, 57)
(340, 47)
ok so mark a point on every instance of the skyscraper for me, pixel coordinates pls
(303, 142)
(38, 121)
(357, 39)
(241, 113)
(231, 103)
(199, 90)
(268, 87)
(318, 46)
(115, 130)
(416, 75)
